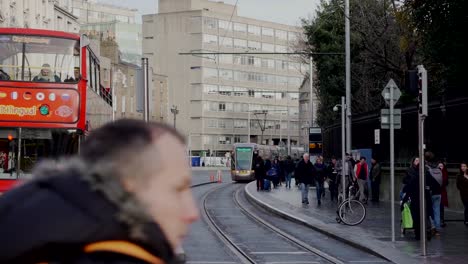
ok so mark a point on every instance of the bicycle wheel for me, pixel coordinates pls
(352, 212)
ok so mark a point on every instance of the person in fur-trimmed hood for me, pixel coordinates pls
(125, 198)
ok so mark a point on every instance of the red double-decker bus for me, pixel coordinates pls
(44, 78)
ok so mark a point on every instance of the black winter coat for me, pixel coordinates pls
(52, 219)
(259, 169)
(305, 172)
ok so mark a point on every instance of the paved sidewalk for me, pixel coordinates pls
(374, 233)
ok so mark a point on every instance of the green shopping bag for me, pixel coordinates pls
(407, 219)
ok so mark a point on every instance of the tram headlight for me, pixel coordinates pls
(237, 171)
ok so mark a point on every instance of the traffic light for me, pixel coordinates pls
(422, 87)
(10, 137)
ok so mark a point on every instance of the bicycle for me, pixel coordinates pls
(351, 211)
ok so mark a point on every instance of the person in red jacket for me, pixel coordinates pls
(362, 173)
(444, 201)
(462, 185)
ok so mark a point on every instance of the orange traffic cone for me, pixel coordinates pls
(212, 177)
(220, 178)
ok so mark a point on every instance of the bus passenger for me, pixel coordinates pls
(76, 75)
(46, 75)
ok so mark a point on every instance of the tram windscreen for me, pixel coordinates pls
(244, 158)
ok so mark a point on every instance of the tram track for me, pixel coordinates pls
(298, 249)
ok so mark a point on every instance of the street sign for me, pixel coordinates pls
(386, 92)
(385, 118)
(377, 136)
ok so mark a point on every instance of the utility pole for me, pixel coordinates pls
(174, 111)
(311, 96)
(144, 62)
(348, 78)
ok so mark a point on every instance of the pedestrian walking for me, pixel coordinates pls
(376, 174)
(349, 172)
(320, 172)
(362, 173)
(275, 172)
(304, 174)
(259, 168)
(444, 197)
(462, 185)
(126, 198)
(411, 191)
(435, 183)
(289, 168)
(333, 176)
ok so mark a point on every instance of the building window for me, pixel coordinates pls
(222, 107)
(254, 30)
(226, 74)
(226, 42)
(294, 66)
(280, 48)
(212, 123)
(268, 32)
(210, 73)
(281, 34)
(210, 89)
(294, 96)
(268, 47)
(221, 123)
(210, 23)
(210, 39)
(281, 65)
(225, 90)
(240, 43)
(238, 91)
(225, 58)
(292, 36)
(268, 63)
(224, 140)
(240, 123)
(251, 60)
(254, 45)
(225, 25)
(251, 93)
(240, 27)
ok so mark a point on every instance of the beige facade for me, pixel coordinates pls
(216, 94)
(37, 14)
(305, 109)
(125, 81)
(89, 11)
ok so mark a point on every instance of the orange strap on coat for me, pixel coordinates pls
(125, 248)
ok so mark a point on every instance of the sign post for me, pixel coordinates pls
(376, 136)
(391, 94)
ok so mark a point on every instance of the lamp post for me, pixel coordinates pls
(343, 141)
(174, 111)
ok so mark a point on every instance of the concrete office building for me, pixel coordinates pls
(216, 94)
(50, 15)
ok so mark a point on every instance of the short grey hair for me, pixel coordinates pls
(111, 154)
(306, 155)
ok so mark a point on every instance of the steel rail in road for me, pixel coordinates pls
(239, 252)
(290, 238)
(242, 255)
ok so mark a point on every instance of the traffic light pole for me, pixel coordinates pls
(422, 113)
(18, 161)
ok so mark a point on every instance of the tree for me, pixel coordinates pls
(441, 27)
(381, 48)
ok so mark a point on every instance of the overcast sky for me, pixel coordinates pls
(281, 11)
